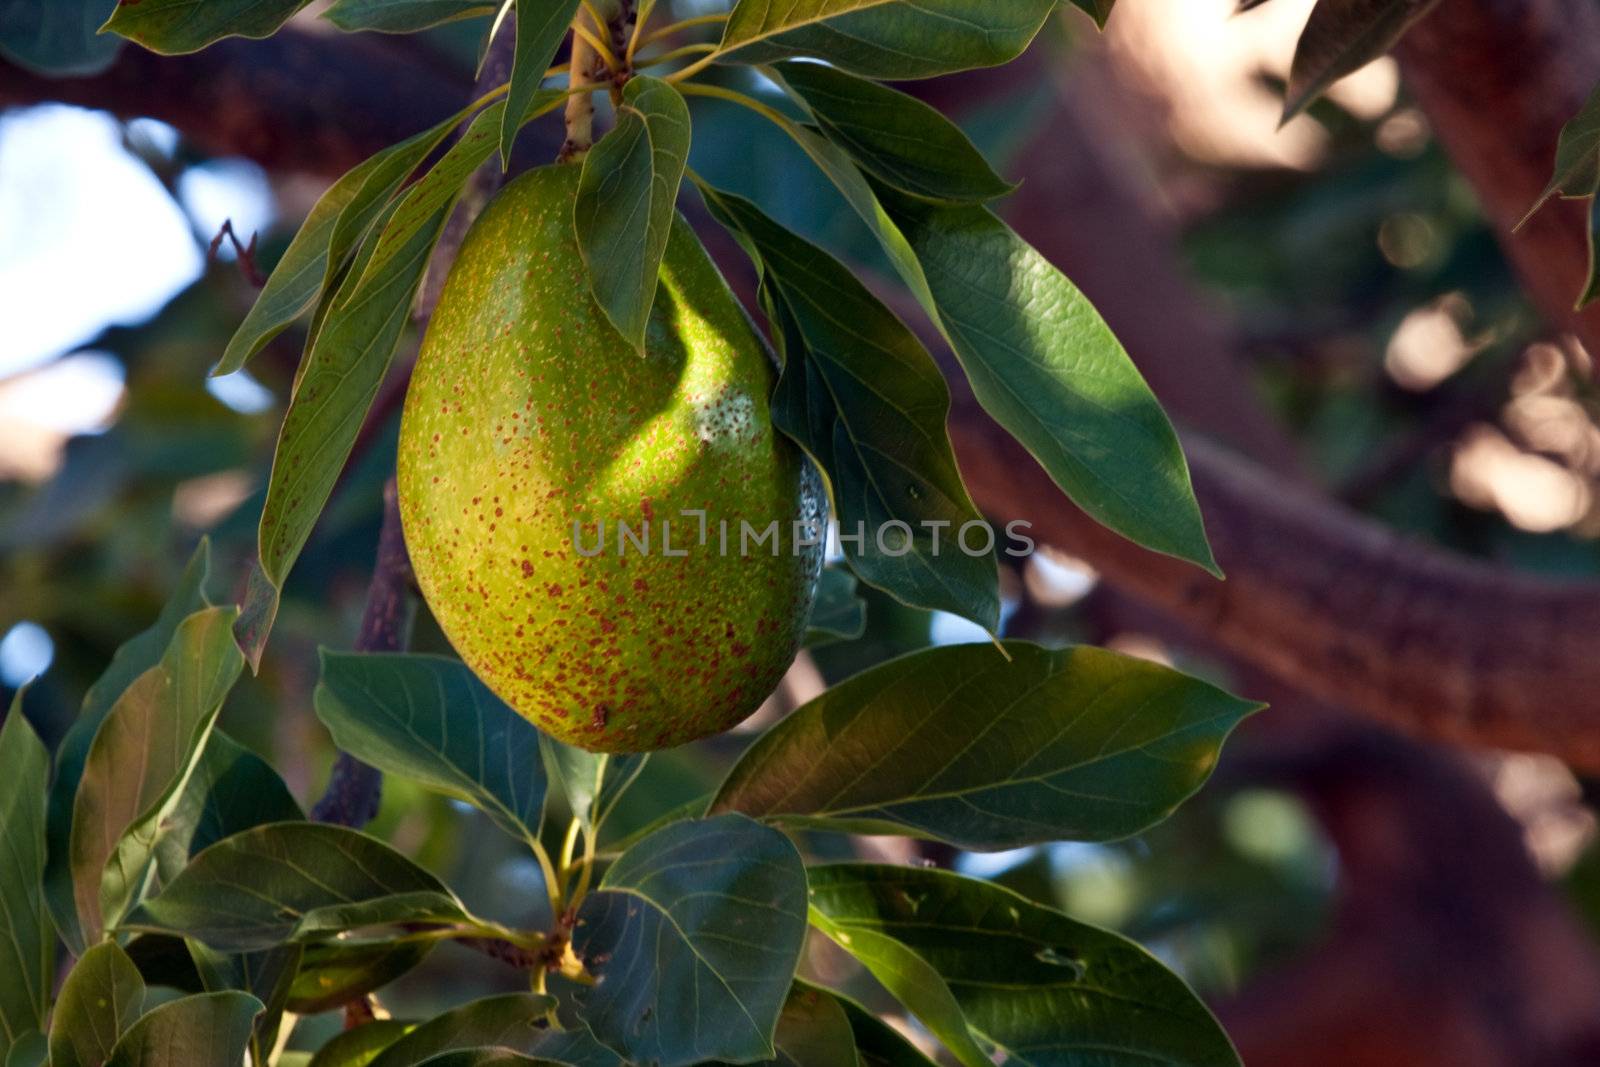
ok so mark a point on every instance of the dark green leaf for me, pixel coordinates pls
(402, 16)
(838, 611)
(514, 1021)
(27, 943)
(484, 1057)
(863, 396)
(624, 208)
(885, 38)
(359, 1047)
(130, 661)
(1099, 10)
(1340, 38)
(591, 781)
(1045, 990)
(29, 1050)
(353, 348)
(100, 999)
(267, 975)
(210, 1028)
(173, 27)
(541, 24)
(140, 760)
(57, 37)
(325, 239)
(165, 960)
(294, 882)
(694, 934)
(430, 719)
(232, 789)
(336, 972)
(1591, 288)
(877, 1043)
(813, 1031)
(1577, 169)
(1046, 366)
(956, 744)
(894, 137)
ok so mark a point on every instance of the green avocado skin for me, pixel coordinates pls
(528, 413)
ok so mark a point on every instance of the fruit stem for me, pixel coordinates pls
(676, 53)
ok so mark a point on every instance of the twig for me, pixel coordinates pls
(580, 105)
(245, 252)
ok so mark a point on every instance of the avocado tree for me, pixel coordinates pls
(614, 490)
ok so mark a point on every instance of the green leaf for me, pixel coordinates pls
(877, 1043)
(694, 934)
(294, 882)
(484, 1057)
(430, 719)
(173, 27)
(402, 16)
(885, 38)
(141, 758)
(514, 1021)
(267, 975)
(232, 789)
(1046, 366)
(1044, 990)
(100, 999)
(591, 782)
(333, 973)
(1099, 10)
(865, 399)
(130, 661)
(351, 353)
(57, 38)
(956, 744)
(894, 137)
(210, 1028)
(1591, 288)
(813, 1031)
(359, 1047)
(624, 208)
(838, 612)
(541, 25)
(1340, 38)
(27, 943)
(339, 217)
(31, 1049)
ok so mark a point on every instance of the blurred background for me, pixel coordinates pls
(1329, 302)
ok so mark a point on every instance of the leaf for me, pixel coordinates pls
(402, 16)
(1340, 38)
(173, 27)
(1099, 10)
(359, 1047)
(513, 1021)
(894, 137)
(333, 973)
(865, 399)
(1046, 366)
(838, 612)
(430, 719)
(541, 25)
(57, 38)
(693, 934)
(484, 1057)
(591, 782)
(140, 760)
(324, 240)
(877, 1043)
(100, 999)
(353, 348)
(1591, 288)
(294, 882)
(624, 208)
(1045, 990)
(29, 1050)
(209, 1028)
(232, 789)
(131, 660)
(884, 38)
(957, 744)
(27, 943)
(813, 1031)
(267, 976)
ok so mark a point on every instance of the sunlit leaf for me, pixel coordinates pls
(865, 399)
(624, 208)
(140, 760)
(27, 943)
(1042, 989)
(333, 973)
(1340, 38)
(173, 27)
(885, 38)
(100, 999)
(209, 1028)
(893, 136)
(294, 882)
(541, 25)
(402, 16)
(693, 935)
(958, 744)
(430, 719)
